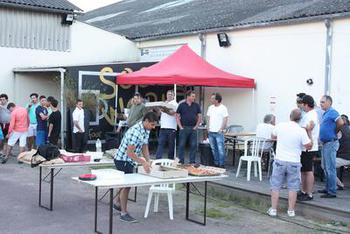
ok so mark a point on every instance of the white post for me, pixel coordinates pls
(62, 71)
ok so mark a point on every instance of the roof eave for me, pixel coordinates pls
(42, 8)
(308, 19)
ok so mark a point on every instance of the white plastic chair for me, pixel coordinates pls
(253, 150)
(168, 189)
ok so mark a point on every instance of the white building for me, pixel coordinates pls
(281, 44)
(45, 34)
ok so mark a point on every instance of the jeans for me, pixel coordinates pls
(41, 137)
(166, 136)
(329, 153)
(217, 146)
(184, 135)
(79, 142)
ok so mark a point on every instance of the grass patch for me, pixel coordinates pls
(216, 214)
(244, 201)
(338, 223)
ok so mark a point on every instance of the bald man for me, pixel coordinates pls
(291, 138)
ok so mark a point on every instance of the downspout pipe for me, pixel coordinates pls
(328, 62)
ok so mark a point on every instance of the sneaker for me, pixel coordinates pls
(327, 195)
(340, 187)
(305, 197)
(322, 191)
(300, 194)
(291, 213)
(127, 218)
(4, 159)
(272, 212)
(117, 207)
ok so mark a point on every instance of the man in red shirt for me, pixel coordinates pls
(18, 129)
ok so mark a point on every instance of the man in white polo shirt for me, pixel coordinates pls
(291, 139)
(79, 142)
(217, 119)
(168, 126)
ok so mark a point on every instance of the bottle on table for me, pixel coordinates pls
(98, 145)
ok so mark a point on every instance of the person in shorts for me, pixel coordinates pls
(5, 117)
(128, 156)
(54, 123)
(1, 139)
(311, 123)
(291, 139)
(17, 130)
(41, 118)
(34, 103)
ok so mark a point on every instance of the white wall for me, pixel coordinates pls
(340, 87)
(280, 59)
(89, 45)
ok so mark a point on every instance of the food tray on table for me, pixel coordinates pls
(201, 170)
(164, 172)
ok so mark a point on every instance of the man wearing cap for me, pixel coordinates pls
(310, 123)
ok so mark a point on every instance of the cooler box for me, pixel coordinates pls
(207, 158)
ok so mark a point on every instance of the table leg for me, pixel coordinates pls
(96, 210)
(40, 181)
(205, 203)
(52, 176)
(234, 151)
(111, 197)
(51, 187)
(187, 199)
(188, 203)
(110, 211)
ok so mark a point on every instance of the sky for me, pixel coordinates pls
(88, 5)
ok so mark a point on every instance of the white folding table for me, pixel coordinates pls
(137, 180)
(52, 174)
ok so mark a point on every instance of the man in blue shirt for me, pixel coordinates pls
(128, 156)
(331, 122)
(188, 119)
(41, 118)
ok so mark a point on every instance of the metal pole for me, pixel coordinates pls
(62, 71)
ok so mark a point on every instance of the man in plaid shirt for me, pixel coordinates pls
(128, 156)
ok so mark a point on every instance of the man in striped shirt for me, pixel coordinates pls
(128, 156)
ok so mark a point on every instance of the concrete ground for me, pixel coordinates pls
(74, 207)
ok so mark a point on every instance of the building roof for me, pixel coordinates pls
(42, 5)
(151, 19)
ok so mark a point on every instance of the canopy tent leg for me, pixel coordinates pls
(175, 96)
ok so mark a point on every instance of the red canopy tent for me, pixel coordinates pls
(185, 67)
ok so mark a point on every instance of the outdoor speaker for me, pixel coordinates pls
(223, 40)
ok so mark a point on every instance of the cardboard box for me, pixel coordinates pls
(164, 172)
